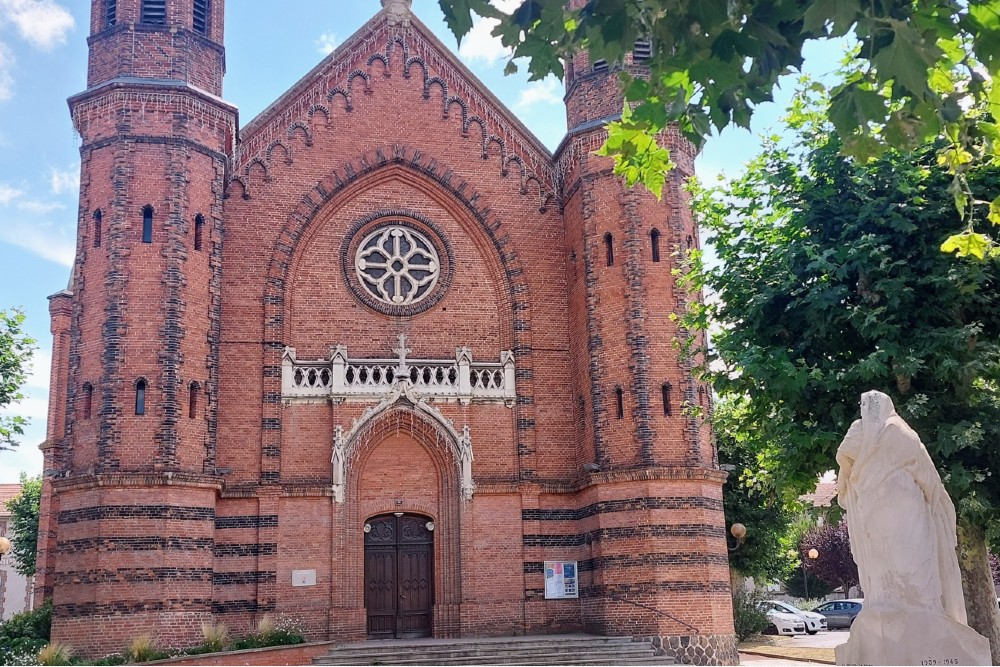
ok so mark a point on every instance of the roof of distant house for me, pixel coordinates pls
(8, 492)
(823, 495)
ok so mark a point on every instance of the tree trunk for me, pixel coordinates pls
(977, 585)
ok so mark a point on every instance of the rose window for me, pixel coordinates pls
(397, 265)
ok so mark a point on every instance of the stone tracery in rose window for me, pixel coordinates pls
(397, 265)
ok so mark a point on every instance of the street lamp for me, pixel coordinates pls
(739, 531)
(813, 555)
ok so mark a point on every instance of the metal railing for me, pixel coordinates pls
(654, 610)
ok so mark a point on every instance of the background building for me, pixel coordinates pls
(15, 588)
(376, 360)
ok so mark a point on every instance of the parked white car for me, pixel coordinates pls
(783, 623)
(814, 622)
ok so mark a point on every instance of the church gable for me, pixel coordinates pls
(380, 53)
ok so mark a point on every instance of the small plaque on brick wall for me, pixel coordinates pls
(560, 580)
(303, 577)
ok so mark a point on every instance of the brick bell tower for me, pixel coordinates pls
(641, 443)
(129, 498)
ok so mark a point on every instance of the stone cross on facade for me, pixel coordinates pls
(402, 370)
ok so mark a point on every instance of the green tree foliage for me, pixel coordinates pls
(24, 524)
(795, 585)
(749, 617)
(834, 563)
(830, 283)
(920, 65)
(15, 352)
(749, 497)
(24, 634)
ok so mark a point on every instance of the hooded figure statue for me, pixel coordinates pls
(900, 519)
(903, 538)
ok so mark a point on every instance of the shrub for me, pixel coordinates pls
(748, 615)
(25, 634)
(55, 653)
(270, 632)
(216, 636)
(266, 627)
(143, 649)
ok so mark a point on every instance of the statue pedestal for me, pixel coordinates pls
(912, 638)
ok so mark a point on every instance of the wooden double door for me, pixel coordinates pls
(399, 576)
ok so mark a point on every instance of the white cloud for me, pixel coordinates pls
(46, 240)
(34, 406)
(6, 78)
(39, 207)
(38, 375)
(326, 43)
(43, 23)
(480, 44)
(67, 180)
(546, 91)
(8, 193)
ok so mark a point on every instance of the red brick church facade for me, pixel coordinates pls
(369, 361)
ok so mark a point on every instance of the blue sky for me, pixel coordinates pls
(270, 44)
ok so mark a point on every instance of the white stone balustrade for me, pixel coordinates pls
(341, 378)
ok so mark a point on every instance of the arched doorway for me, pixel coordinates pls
(399, 575)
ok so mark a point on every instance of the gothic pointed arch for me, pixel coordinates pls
(406, 402)
(484, 226)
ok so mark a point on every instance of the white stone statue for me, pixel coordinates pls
(465, 451)
(902, 527)
(339, 461)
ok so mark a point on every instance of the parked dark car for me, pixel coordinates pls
(840, 613)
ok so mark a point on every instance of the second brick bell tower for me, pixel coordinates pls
(640, 409)
(131, 480)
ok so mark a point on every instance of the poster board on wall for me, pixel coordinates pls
(560, 580)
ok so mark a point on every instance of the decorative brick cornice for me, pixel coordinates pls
(102, 102)
(351, 70)
(119, 479)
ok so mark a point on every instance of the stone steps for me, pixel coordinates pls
(531, 650)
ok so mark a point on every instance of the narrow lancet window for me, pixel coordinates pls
(98, 216)
(609, 248)
(110, 13)
(620, 400)
(140, 397)
(88, 400)
(147, 224)
(199, 230)
(665, 392)
(194, 388)
(654, 244)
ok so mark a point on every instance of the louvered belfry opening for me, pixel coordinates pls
(642, 51)
(154, 12)
(110, 13)
(202, 8)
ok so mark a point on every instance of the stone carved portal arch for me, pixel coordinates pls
(403, 395)
(403, 461)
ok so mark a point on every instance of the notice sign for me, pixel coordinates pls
(560, 580)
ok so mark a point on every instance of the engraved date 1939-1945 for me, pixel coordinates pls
(944, 661)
